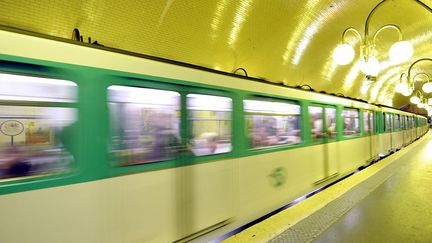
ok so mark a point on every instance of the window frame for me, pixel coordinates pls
(246, 145)
(373, 130)
(183, 88)
(112, 159)
(325, 138)
(396, 123)
(189, 124)
(20, 183)
(388, 128)
(359, 133)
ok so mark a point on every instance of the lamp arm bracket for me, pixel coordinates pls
(378, 5)
(414, 63)
(389, 26)
(352, 29)
(424, 5)
(401, 79)
(368, 20)
(425, 74)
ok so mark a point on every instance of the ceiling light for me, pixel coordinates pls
(401, 51)
(415, 100)
(370, 67)
(427, 87)
(343, 54)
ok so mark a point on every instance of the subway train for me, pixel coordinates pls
(100, 145)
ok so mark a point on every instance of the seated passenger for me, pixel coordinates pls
(164, 145)
(15, 164)
(205, 144)
(316, 129)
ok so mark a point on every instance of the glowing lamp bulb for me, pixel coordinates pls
(401, 51)
(415, 100)
(430, 101)
(343, 54)
(427, 87)
(420, 105)
(398, 88)
(405, 90)
(371, 67)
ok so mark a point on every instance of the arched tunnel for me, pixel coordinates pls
(210, 121)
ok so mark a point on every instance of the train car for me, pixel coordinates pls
(99, 145)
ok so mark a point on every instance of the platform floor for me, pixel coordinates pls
(398, 210)
(390, 201)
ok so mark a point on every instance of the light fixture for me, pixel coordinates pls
(370, 67)
(417, 98)
(427, 87)
(343, 54)
(406, 81)
(399, 52)
(403, 86)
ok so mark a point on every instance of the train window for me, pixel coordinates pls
(368, 122)
(272, 123)
(210, 122)
(144, 124)
(37, 118)
(330, 114)
(402, 122)
(316, 122)
(351, 121)
(319, 129)
(388, 123)
(396, 122)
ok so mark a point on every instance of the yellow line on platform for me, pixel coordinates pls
(278, 223)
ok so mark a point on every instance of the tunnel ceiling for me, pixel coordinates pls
(284, 41)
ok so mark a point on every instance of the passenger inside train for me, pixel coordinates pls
(31, 136)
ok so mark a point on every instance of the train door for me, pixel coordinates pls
(369, 128)
(413, 129)
(206, 177)
(388, 139)
(410, 129)
(323, 131)
(391, 120)
(188, 190)
(402, 129)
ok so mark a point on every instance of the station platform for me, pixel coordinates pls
(389, 201)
